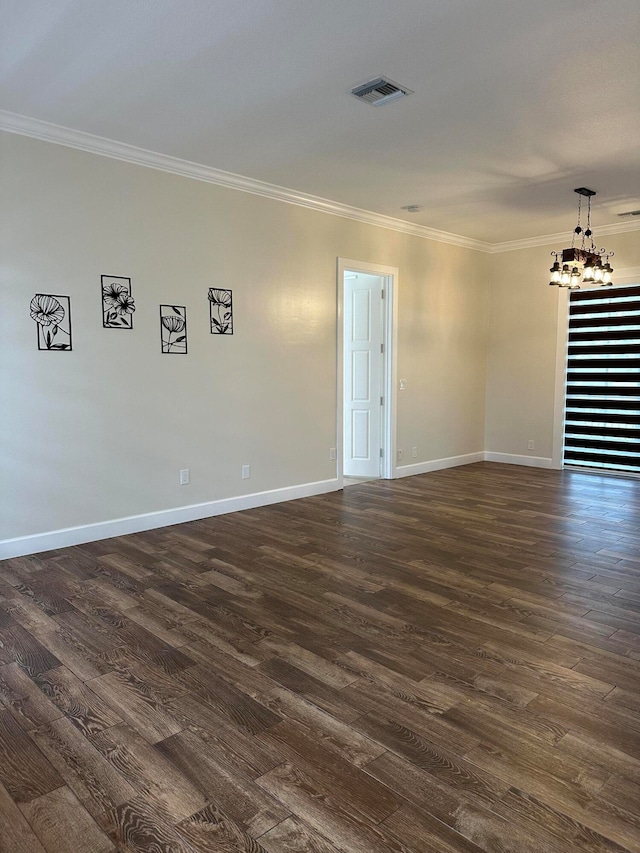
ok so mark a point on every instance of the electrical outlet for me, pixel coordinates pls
(332, 453)
(246, 472)
(399, 456)
(403, 384)
(531, 444)
(414, 452)
(184, 477)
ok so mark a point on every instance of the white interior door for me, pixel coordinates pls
(363, 374)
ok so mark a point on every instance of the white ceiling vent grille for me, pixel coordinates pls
(380, 91)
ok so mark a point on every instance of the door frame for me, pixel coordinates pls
(559, 399)
(390, 368)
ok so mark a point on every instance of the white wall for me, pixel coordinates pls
(522, 346)
(101, 433)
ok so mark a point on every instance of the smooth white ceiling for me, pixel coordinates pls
(515, 104)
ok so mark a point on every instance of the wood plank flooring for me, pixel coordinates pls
(448, 663)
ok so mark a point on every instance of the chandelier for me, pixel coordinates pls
(583, 264)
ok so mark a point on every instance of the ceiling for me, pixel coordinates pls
(515, 103)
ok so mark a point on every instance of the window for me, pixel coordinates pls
(602, 416)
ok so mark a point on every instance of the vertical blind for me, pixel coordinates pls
(602, 416)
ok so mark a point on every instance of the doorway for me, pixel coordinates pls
(366, 370)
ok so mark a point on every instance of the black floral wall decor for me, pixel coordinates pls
(53, 317)
(173, 328)
(117, 302)
(220, 311)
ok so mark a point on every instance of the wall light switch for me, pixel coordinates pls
(332, 453)
(184, 477)
(246, 472)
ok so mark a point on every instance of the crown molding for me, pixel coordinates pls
(48, 132)
(561, 238)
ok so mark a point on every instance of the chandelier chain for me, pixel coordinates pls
(578, 228)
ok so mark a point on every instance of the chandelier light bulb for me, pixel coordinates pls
(555, 272)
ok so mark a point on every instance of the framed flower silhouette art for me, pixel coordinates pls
(173, 328)
(52, 315)
(220, 311)
(117, 302)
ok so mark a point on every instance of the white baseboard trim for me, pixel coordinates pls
(23, 545)
(513, 459)
(54, 539)
(439, 464)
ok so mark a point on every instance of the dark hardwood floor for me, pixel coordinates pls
(446, 663)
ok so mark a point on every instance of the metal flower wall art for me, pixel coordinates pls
(220, 311)
(117, 302)
(173, 328)
(53, 316)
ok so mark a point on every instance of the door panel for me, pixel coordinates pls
(360, 431)
(360, 376)
(363, 374)
(361, 315)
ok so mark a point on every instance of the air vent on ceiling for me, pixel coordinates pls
(630, 213)
(380, 91)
